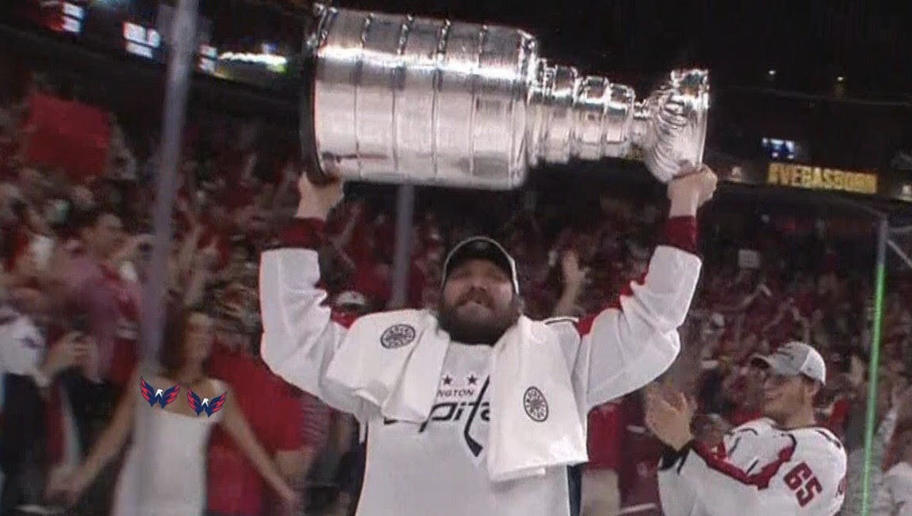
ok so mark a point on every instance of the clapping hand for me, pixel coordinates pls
(668, 416)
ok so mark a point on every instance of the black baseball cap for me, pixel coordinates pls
(481, 248)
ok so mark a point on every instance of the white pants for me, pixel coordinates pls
(601, 495)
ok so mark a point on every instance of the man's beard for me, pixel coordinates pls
(475, 332)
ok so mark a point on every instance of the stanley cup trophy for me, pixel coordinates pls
(402, 99)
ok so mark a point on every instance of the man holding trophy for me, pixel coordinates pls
(473, 408)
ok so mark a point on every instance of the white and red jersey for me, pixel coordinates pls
(436, 467)
(758, 469)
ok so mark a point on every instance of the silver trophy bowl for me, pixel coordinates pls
(401, 99)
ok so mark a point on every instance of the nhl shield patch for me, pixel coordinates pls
(397, 336)
(535, 404)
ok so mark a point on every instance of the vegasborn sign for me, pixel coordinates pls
(819, 178)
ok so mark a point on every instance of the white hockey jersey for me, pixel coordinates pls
(436, 467)
(758, 469)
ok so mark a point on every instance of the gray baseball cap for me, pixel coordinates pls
(793, 359)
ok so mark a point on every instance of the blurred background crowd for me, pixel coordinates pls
(76, 190)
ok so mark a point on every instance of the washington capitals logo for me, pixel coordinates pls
(153, 395)
(477, 411)
(205, 404)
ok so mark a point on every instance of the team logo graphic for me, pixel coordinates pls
(460, 405)
(397, 336)
(474, 446)
(199, 405)
(535, 404)
(160, 396)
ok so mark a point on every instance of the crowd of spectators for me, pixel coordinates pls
(75, 244)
